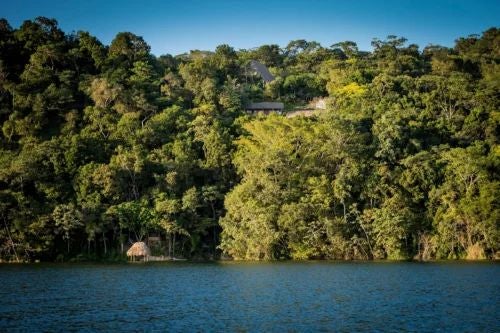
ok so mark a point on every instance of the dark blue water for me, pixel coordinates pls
(241, 297)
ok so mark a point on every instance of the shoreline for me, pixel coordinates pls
(224, 261)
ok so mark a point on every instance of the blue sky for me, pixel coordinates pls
(175, 27)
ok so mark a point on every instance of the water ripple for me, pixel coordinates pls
(252, 297)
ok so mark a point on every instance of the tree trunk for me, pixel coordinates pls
(345, 215)
(173, 248)
(104, 242)
(11, 241)
(214, 229)
(367, 239)
(169, 245)
(418, 246)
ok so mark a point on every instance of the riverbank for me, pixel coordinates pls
(194, 261)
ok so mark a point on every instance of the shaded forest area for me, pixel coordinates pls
(102, 146)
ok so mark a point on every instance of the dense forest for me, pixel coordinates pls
(102, 146)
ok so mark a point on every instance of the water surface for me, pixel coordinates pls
(252, 297)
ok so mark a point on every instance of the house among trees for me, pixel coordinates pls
(265, 108)
(261, 70)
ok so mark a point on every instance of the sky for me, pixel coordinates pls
(174, 27)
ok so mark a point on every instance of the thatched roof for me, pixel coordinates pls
(138, 249)
(266, 106)
(262, 70)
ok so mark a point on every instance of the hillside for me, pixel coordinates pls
(102, 146)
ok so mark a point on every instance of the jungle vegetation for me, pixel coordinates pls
(105, 145)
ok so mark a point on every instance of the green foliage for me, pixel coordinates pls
(102, 146)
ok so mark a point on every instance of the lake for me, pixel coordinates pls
(252, 297)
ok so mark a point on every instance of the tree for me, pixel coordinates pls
(102, 145)
(465, 206)
(67, 219)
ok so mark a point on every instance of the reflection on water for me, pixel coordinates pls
(258, 297)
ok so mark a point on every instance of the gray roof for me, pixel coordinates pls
(261, 70)
(266, 106)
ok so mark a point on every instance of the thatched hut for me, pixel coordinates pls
(139, 250)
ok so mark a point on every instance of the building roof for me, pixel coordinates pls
(139, 249)
(266, 106)
(262, 70)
